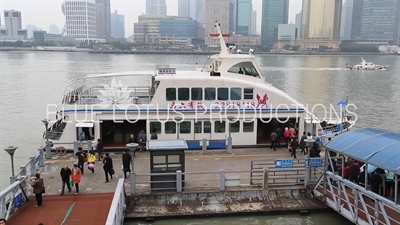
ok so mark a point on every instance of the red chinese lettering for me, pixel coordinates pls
(172, 105)
(182, 106)
(238, 104)
(191, 104)
(200, 105)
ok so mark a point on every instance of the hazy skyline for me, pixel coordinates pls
(45, 12)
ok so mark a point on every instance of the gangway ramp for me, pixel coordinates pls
(65, 210)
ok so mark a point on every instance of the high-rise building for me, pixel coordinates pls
(156, 7)
(103, 19)
(375, 20)
(117, 25)
(347, 16)
(321, 23)
(298, 24)
(240, 12)
(253, 27)
(80, 19)
(30, 28)
(216, 11)
(13, 26)
(274, 12)
(192, 8)
(53, 29)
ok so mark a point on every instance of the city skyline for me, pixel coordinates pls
(131, 9)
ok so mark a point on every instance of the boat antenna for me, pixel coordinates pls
(224, 49)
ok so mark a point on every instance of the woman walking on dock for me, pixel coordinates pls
(91, 161)
(76, 177)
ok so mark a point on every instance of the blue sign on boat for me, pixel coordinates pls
(18, 200)
(284, 163)
(314, 162)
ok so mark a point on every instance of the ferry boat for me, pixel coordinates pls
(364, 65)
(227, 96)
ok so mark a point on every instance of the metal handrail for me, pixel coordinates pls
(118, 206)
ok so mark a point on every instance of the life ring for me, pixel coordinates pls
(60, 149)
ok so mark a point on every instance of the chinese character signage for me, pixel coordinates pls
(261, 102)
(284, 163)
(314, 162)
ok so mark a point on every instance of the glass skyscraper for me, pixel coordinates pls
(375, 20)
(274, 12)
(240, 16)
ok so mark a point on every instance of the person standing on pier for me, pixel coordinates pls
(91, 161)
(126, 162)
(287, 134)
(273, 138)
(65, 174)
(38, 189)
(81, 158)
(99, 148)
(142, 140)
(278, 132)
(108, 166)
(76, 177)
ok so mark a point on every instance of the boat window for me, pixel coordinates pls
(236, 93)
(185, 127)
(223, 94)
(207, 127)
(197, 94)
(155, 126)
(197, 127)
(209, 93)
(170, 94)
(248, 126)
(219, 127)
(235, 127)
(170, 127)
(246, 68)
(248, 93)
(183, 94)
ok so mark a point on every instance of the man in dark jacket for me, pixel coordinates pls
(376, 181)
(273, 137)
(100, 149)
(126, 162)
(65, 174)
(279, 133)
(108, 166)
(354, 172)
(81, 158)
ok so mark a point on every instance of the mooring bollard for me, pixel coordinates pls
(265, 178)
(204, 146)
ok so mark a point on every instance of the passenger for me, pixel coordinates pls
(142, 140)
(91, 161)
(354, 172)
(376, 181)
(279, 133)
(346, 173)
(76, 176)
(382, 173)
(81, 158)
(389, 183)
(154, 135)
(38, 189)
(293, 147)
(126, 162)
(240, 71)
(303, 143)
(287, 136)
(100, 149)
(3, 221)
(273, 137)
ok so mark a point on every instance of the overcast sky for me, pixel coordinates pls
(42, 13)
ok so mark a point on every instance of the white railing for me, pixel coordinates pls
(216, 180)
(14, 196)
(118, 206)
(354, 202)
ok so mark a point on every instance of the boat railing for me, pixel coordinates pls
(73, 95)
(14, 196)
(118, 205)
(137, 94)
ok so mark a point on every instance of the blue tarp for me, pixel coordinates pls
(373, 146)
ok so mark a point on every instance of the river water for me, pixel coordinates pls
(31, 80)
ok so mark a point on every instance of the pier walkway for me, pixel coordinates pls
(356, 202)
(97, 201)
